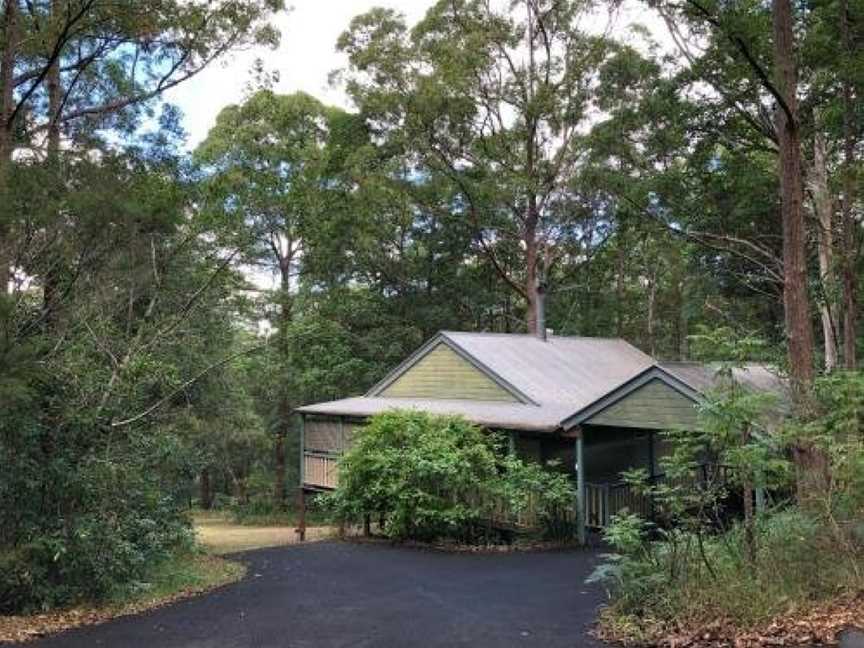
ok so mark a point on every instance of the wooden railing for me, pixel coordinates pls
(320, 469)
(602, 501)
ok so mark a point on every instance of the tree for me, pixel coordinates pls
(78, 67)
(272, 177)
(501, 124)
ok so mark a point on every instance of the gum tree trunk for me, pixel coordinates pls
(796, 301)
(7, 107)
(824, 208)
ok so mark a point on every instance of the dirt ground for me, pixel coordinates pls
(222, 536)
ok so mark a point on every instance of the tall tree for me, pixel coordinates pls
(272, 180)
(491, 96)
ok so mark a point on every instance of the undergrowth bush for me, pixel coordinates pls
(431, 477)
(669, 580)
(698, 569)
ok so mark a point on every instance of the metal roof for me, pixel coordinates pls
(704, 377)
(511, 416)
(556, 379)
(571, 372)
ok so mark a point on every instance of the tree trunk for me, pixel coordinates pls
(796, 301)
(7, 107)
(824, 207)
(651, 308)
(283, 425)
(206, 490)
(749, 517)
(52, 274)
(850, 242)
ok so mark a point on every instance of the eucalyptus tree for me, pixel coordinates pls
(491, 96)
(78, 67)
(795, 92)
(274, 177)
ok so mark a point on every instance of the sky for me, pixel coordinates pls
(307, 54)
(304, 59)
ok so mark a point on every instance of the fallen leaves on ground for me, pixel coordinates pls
(816, 625)
(33, 626)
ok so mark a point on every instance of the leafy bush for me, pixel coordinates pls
(117, 521)
(698, 568)
(430, 477)
(673, 580)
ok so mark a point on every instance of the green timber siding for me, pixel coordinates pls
(442, 373)
(654, 406)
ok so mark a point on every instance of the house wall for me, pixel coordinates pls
(327, 434)
(442, 373)
(655, 406)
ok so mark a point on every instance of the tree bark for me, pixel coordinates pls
(283, 425)
(206, 494)
(7, 107)
(850, 242)
(796, 301)
(824, 207)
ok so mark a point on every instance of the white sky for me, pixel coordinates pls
(305, 57)
(307, 54)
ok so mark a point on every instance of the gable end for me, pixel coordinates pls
(655, 399)
(439, 370)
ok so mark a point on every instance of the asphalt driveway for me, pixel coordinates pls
(339, 594)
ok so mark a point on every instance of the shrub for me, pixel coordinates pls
(425, 474)
(430, 477)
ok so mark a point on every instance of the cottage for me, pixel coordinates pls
(592, 406)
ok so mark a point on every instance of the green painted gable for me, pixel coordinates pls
(443, 373)
(655, 405)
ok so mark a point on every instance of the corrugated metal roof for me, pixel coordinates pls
(704, 377)
(569, 371)
(561, 375)
(514, 416)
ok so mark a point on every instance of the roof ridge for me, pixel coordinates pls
(532, 336)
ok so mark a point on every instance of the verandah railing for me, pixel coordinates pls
(320, 469)
(602, 501)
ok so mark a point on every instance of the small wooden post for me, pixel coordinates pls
(511, 446)
(367, 525)
(301, 506)
(580, 490)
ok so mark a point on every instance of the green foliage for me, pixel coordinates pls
(699, 568)
(425, 474)
(666, 581)
(431, 477)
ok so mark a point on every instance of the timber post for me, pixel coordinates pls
(580, 490)
(301, 495)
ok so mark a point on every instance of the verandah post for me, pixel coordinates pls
(301, 525)
(580, 490)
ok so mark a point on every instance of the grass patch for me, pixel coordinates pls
(178, 578)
